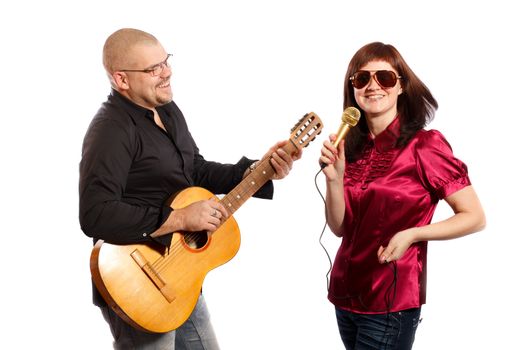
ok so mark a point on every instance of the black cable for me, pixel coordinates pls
(322, 232)
(389, 302)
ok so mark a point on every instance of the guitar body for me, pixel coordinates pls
(156, 290)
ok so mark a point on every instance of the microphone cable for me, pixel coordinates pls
(323, 231)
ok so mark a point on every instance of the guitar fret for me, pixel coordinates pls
(246, 188)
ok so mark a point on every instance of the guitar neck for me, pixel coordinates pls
(252, 183)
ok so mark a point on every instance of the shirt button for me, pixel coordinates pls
(144, 234)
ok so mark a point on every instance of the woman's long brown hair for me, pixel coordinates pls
(416, 105)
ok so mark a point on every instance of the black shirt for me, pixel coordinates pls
(130, 167)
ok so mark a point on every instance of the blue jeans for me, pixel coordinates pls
(194, 334)
(392, 331)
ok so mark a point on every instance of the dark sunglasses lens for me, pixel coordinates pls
(386, 78)
(360, 79)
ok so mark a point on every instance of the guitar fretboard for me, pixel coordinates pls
(251, 183)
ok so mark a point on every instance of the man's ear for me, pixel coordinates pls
(120, 79)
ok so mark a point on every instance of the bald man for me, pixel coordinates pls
(137, 152)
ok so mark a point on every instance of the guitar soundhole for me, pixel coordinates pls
(196, 240)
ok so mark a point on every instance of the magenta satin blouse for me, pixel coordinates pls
(389, 190)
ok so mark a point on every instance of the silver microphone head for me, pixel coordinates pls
(351, 116)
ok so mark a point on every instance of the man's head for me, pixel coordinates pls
(137, 67)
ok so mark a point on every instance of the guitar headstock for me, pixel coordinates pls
(306, 129)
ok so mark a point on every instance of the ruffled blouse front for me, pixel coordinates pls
(388, 190)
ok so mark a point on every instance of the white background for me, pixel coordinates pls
(243, 73)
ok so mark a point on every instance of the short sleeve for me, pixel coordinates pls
(441, 172)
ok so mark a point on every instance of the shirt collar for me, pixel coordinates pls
(134, 110)
(386, 140)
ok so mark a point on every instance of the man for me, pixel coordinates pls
(138, 152)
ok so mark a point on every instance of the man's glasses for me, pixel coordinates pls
(385, 78)
(155, 70)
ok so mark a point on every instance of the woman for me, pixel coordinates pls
(383, 182)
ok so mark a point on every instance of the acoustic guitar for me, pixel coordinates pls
(155, 288)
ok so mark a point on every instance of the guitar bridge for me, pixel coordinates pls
(153, 275)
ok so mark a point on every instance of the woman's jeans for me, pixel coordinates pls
(388, 331)
(194, 334)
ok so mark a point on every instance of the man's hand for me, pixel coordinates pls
(281, 161)
(204, 215)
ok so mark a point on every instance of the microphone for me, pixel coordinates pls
(349, 119)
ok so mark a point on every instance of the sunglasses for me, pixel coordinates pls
(385, 78)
